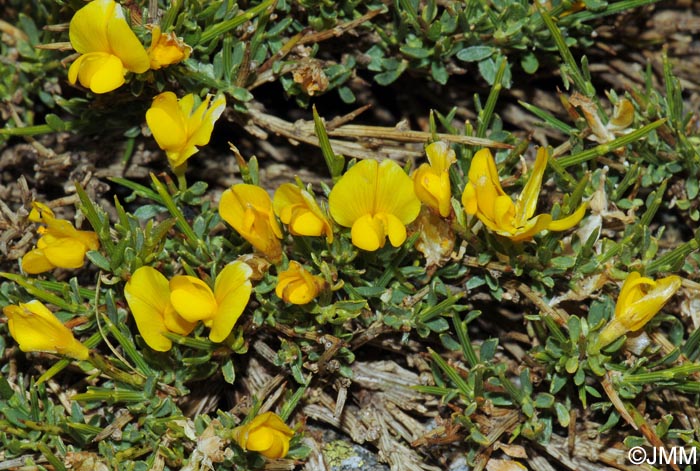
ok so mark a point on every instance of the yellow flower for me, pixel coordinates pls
(298, 209)
(639, 300)
(178, 127)
(267, 434)
(148, 296)
(432, 181)
(166, 49)
(219, 310)
(484, 196)
(60, 245)
(109, 47)
(295, 285)
(36, 329)
(249, 210)
(376, 200)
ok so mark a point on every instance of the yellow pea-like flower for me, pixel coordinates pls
(248, 209)
(299, 210)
(219, 310)
(639, 300)
(267, 434)
(178, 127)
(376, 200)
(296, 285)
(60, 245)
(36, 329)
(109, 47)
(166, 49)
(484, 196)
(148, 296)
(432, 181)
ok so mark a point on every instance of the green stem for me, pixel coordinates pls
(218, 29)
(487, 112)
(603, 149)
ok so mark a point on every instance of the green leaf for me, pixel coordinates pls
(475, 53)
(416, 52)
(241, 94)
(99, 260)
(228, 371)
(55, 123)
(335, 162)
(529, 63)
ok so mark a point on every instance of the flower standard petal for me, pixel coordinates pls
(124, 44)
(166, 122)
(527, 201)
(395, 194)
(201, 122)
(353, 196)
(36, 329)
(232, 291)
(88, 27)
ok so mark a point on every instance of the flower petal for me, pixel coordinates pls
(368, 233)
(124, 43)
(527, 201)
(469, 201)
(569, 221)
(395, 230)
(166, 122)
(148, 295)
(66, 253)
(88, 27)
(36, 329)
(100, 72)
(192, 298)
(35, 262)
(636, 314)
(205, 117)
(532, 226)
(395, 194)
(353, 196)
(232, 291)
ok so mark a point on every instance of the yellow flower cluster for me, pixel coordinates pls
(639, 300)
(267, 434)
(160, 306)
(36, 329)
(484, 197)
(109, 49)
(60, 245)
